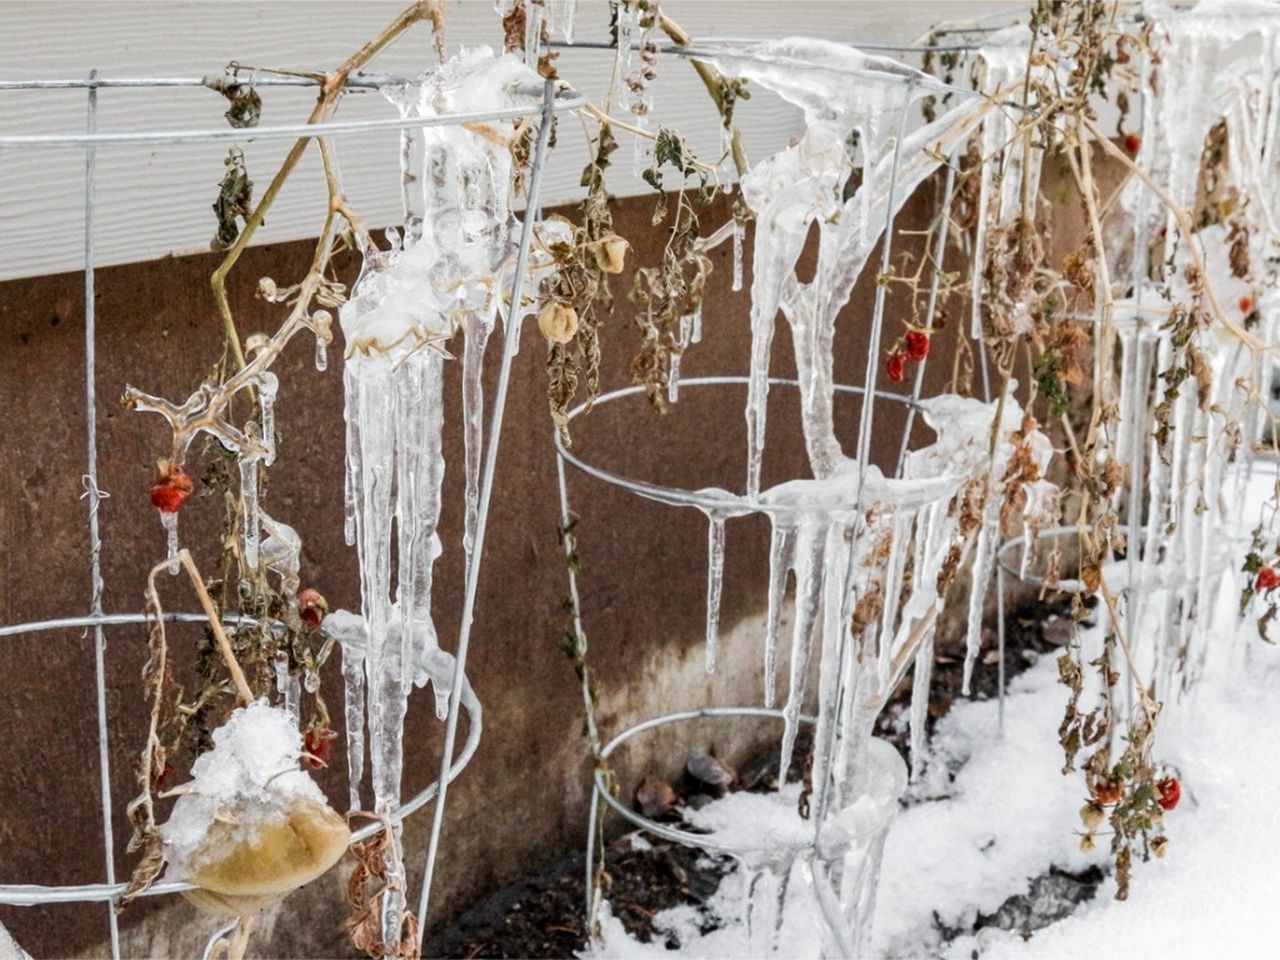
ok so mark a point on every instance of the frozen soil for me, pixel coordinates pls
(543, 915)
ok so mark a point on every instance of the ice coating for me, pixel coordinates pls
(407, 305)
(805, 184)
(1002, 68)
(169, 520)
(1217, 64)
(871, 556)
(715, 583)
(253, 767)
(448, 275)
(281, 553)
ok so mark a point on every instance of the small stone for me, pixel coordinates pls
(711, 770)
(655, 797)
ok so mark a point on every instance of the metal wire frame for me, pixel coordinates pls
(665, 831)
(510, 346)
(675, 496)
(553, 102)
(678, 497)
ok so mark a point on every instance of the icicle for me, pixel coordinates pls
(169, 520)
(840, 673)
(739, 235)
(533, 16)
(715, 583)
(268, 388)
(627, 14)
(811, 542)
(568, 18)
(920, 686)
(286, 683)
(781, 557)
(322, 355)
(983, 560)
(476, 330)
(639, 149)
(249, 500)
(677, 354)
(349, 631)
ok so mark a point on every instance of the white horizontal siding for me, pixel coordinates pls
(154, 200)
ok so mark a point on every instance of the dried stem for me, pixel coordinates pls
(712, 80)
(1187, 229)
(243, 693)
(330, 91)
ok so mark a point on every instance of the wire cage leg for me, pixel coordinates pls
(95, 498)
(510, 346)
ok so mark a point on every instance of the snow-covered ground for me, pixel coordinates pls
(1009, 814)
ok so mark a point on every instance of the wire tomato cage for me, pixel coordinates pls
(97, 619)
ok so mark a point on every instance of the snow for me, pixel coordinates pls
(993, 810)
(251, 770)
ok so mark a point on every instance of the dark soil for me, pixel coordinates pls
(544, 915)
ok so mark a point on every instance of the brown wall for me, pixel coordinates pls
(522, 802)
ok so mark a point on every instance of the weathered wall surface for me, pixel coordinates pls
(522, 802)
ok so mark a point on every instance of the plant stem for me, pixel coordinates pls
(714, 83)
(1187, 229)
(330, 90)
(243, 693)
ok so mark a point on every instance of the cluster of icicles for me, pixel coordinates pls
(448, 273)
(866, 551)
(871, 555)
(1219, 64)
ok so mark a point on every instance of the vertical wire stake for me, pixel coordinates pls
(1000, 634)
(939, 254)
(95, 498)
(580, 637)
(823, 791)
(510, 346)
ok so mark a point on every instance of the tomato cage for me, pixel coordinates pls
(537, 102)
(872, 540)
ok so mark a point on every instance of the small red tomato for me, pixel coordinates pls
(1132, 144)
(312, 608)
(1108, 793)
(171, 488)
(317, 741)
(1268, 579)
(161, 782)
(917, 343)
(1246, 305)
(1170, 792)
(896, 367)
